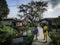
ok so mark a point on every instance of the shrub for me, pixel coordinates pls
(6, 32)
(55, 37)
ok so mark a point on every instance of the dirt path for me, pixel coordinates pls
(40, 40)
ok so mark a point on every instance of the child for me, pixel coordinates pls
(45, 31)
(36, 32)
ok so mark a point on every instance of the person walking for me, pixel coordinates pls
(45, 31)
(36, 32)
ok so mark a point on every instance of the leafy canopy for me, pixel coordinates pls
(4, 10)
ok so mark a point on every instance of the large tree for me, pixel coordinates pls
(4, 10)
(33, 10)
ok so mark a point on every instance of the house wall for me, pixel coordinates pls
(55, 22)
(7, 22)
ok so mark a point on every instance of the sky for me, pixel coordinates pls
(53, 9)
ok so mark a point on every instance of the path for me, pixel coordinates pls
(40, 40)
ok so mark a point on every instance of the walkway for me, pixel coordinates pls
(40, 40)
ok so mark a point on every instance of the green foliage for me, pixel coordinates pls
(55, 37)
(4, 10)
(29, 39)
(5, 32)
(32, 11)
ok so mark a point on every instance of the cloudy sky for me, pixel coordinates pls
(53, 9)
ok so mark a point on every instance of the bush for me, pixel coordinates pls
(30, 38)
(55, 37)
(6, 32)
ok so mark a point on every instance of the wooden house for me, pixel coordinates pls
(55, 22)
(8, 21)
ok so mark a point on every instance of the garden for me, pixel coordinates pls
(55, 36)
(7, 34)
